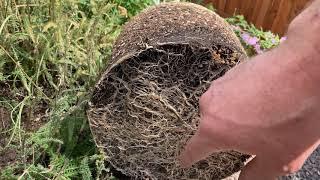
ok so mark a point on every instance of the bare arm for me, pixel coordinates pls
(267, 106)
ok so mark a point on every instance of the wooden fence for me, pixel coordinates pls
(274, 15)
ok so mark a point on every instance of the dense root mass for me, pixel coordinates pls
(146, 108)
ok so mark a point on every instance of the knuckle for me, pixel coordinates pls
(292, 168)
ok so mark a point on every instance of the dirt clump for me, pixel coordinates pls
(145, 106)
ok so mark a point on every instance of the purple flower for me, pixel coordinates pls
(245, 36)
(253, 41)
(274, 41)
(283, 39)
(258, 49)
(249, 39)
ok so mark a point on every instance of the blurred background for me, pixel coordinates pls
(274, 15)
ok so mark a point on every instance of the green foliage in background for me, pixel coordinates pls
(51, 53)
(267, 40)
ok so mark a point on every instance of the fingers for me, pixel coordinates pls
(296, 164)
(268, 167)
(199, 147)
(258, 169)
(205, 141)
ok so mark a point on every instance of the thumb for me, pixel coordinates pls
(199, 147)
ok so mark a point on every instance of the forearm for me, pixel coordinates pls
(277, 92)
(304, 58)
(301, 73)
(288, 97)
(267, 106)
(289, 79)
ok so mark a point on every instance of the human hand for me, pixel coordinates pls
(304, 30)
(267, 106)
(264, 107)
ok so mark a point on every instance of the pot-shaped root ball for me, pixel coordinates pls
(145, 106)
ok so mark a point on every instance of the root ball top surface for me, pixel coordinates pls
(145, 106)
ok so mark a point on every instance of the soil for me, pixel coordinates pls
(7, 155)
(145, 106)
(5, 90)
(157, 94)
(174, 23)
(32, 119)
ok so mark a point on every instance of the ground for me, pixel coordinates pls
(7, 156)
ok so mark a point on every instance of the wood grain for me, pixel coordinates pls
(274, 15)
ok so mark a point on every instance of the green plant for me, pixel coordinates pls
(51, 54)
(254, 39)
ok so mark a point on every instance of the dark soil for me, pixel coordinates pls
(174, 23)
(5, 90)
(33, 117)
(145, 106)
(149, 107)
(7, 155)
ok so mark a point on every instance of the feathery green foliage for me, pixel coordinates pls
(51, 53)
(267, 39)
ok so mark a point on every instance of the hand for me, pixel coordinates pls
(267, 106)
(304, 29)
(263, 109)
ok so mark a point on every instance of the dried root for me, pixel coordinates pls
(147, 108)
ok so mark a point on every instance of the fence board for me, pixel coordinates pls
(247, 8)
(274, 15)
(262, 12)
(232, 6)
(222, 5)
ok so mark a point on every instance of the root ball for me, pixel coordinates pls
(145, 106)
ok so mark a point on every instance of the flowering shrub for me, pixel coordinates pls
(256, 41)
